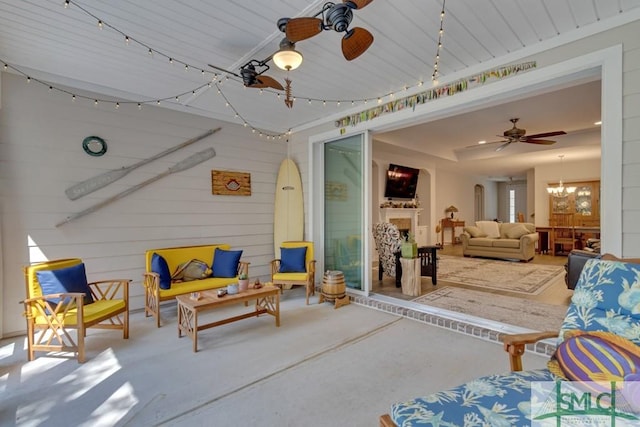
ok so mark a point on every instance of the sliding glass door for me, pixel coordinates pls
(343, 208)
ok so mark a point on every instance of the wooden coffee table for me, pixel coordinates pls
(267, 301)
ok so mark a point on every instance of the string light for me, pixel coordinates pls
(434, 76)
(151, 52)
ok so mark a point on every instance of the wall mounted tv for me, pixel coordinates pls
(402, 182)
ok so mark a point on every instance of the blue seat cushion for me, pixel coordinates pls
(64, 280)
(293, 260)
(225, 263)
(494, 400)
(159, 265)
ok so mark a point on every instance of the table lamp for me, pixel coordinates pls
(451, 209)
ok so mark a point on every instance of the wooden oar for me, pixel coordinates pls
(187, 163)
(97, 182)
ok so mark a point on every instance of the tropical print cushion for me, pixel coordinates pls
(493, 400)
(606, 298)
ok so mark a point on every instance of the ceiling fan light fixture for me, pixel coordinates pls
(287, 58)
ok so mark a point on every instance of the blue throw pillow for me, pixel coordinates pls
(159, 265)
(293, 260)
(225, 263)
(70, 279)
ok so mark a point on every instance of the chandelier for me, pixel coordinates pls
(560, 190)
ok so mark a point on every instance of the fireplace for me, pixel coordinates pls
(403, 224)
(406, 219)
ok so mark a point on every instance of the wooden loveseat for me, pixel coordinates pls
(174, 257)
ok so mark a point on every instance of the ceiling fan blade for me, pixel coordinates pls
(224, 71)
(303, 28)
(476, 145)
(357, 4)
(503, 146)
(546, 134)
(355, 42)
(266, 81)
(539, 141)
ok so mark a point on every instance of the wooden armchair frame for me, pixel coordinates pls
(308, 282)
(50, 325)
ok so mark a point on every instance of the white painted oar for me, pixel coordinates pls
(97, 182)
(185, 164)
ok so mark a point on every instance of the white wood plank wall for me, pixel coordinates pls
(41, 155)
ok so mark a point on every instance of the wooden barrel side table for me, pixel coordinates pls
(334, 288)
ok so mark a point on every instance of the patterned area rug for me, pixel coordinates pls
(519, 277)
(511, 310)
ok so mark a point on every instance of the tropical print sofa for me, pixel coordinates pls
(606, 298)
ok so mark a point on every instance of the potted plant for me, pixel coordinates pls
(243, 282)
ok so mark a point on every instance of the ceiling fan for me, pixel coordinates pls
(333, 16)
(516, 134)
(251, 77)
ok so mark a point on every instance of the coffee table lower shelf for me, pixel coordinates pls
(267, 302)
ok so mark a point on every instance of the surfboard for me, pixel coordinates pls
(288, 215)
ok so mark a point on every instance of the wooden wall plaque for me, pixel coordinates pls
(230, 183)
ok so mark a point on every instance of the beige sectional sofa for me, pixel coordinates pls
(500, 240)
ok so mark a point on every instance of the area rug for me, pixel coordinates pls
(511, 310)
(519, 277)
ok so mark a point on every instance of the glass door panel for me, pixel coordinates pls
(343, 208)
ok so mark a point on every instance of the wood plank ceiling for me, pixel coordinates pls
(64, 46)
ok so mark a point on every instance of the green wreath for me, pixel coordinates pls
(94, 146)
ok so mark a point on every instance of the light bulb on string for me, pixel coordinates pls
(100, 24)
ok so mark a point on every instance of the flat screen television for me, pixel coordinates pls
(402, 182)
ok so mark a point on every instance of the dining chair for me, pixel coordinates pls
(563, 233)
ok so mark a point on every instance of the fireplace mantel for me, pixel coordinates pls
(399, 216)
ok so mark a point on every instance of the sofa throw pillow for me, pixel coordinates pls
(595, 356)
(293, 260)
(517, 231)
(62, 280)
(490, 228)
(191, 270)
(159, 265)
(225, 263)
(474, 231)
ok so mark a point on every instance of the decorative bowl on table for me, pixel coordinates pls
(232, 289)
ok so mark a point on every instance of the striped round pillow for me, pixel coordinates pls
(595, 356)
